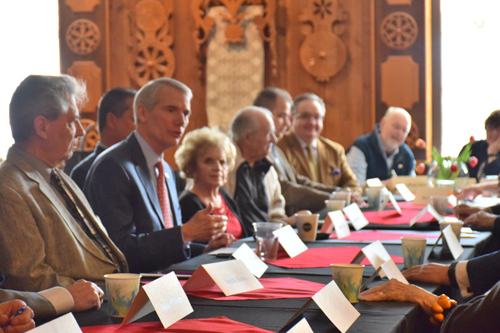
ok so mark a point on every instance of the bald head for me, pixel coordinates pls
(394, 128)
(252, 129)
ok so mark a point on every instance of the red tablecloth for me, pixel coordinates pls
(323, 257)
(274, 288)
(216, 325)
(407, 205)
(392, 217)
(373, 235)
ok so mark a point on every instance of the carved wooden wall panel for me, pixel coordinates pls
(334, 48)
(349, 94)
(403, 67)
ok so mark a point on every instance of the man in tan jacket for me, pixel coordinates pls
(49, 234)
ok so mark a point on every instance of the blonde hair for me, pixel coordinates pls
(199, 140)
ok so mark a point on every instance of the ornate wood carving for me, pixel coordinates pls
(398, 2)
(234, 30)
(82, 6)
(399, 30)
(413, 135)
(150, 54)
(89, 72)
(83, 36)
(323, 54)
(399, 82)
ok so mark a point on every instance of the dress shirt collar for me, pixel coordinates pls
(149, 154)
(39, 165)
(304, 144)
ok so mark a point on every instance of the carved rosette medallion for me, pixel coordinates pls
(399, 30)
(235, 27)
(323, 54)
(151, 55)
(83, 36)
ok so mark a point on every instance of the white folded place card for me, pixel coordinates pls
(231, 276)
(405, 192)
(336, 307)
(427, 209)
(413, 183)
(423, 195)
(395, 203)
(301, 327)
(453, 243)
(356, 217)
(374, 182)
(251, 260)
(392, 271)
(377, 254)
(340, 223)
(165, 296)
(224, 250)
(290, 241)
(388, 196)
(63, 324)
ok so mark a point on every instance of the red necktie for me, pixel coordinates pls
(163, 196)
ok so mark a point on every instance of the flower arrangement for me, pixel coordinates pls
(450, 167)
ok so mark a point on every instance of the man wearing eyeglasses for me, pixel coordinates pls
(313, 156)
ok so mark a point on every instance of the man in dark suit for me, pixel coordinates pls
(126, 186)
(115, 116)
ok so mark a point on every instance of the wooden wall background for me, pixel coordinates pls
(360, 56)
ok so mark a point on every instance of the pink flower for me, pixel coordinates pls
(473, 161)
(420, 143)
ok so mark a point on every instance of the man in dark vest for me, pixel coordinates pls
(376, 154)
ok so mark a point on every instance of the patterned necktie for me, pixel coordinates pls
(313, 165)
(79, 215)
(163, 196)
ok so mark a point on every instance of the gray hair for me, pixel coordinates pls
(267, 97)
(197, 141)
(394, 109)
(147, 95)
(42, 95)
(244, 121)
(307, 97)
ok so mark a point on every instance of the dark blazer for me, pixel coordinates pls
(483, 272)
(478, 315)
(479, 149)
(80, 171)
(121, 191)
(191, 204)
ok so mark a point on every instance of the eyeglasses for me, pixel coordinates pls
(308, 116)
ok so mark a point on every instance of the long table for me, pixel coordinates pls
(273, 314)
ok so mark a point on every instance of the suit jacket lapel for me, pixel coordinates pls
(96, 222)
(143, 172)
(59, 207)
(300, 155)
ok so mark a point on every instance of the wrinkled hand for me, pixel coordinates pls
(463, 211)
(86, 295)
(431, 273)
(203, 226)
(395, 290)
(21, 323)
(222, 240)
(356, 197)
(481, 219)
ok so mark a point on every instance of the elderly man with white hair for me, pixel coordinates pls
(376, 154)
(253, 182)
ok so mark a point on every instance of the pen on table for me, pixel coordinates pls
(18, 312)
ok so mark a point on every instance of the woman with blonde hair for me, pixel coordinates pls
(205, 158)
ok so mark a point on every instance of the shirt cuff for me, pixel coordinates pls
(463, 278)
(60, 298)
